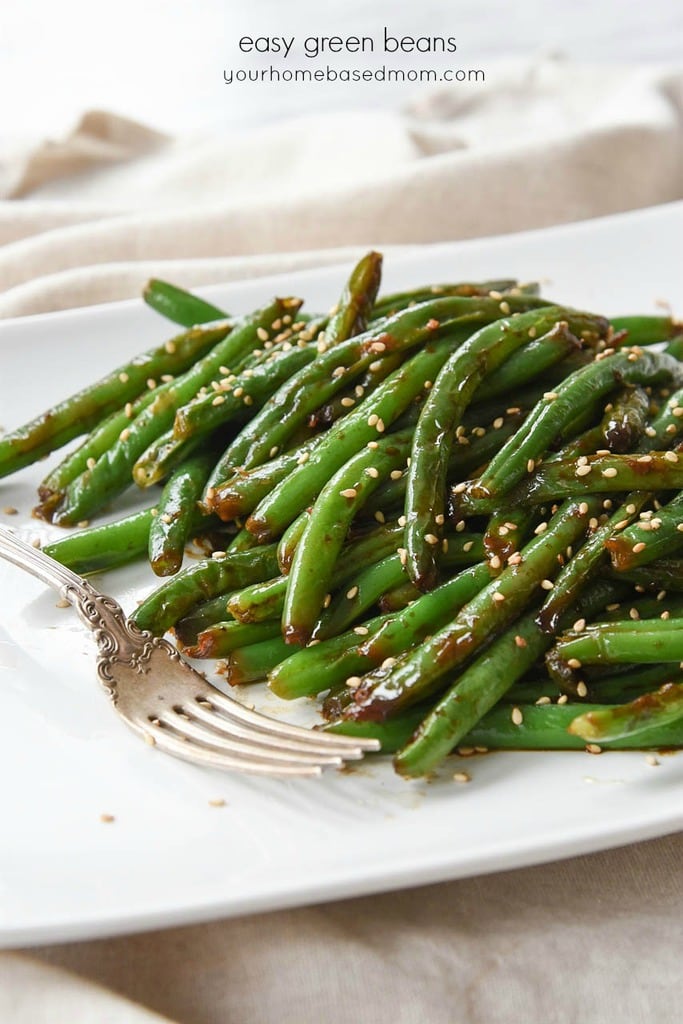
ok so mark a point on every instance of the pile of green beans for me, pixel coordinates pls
(453, 514)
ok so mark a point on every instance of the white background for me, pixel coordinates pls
(162, 60)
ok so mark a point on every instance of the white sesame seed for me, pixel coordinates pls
(543, 700)
(349, 492)
(593, 748)
(516, 716)
(123, 377)
(520, 642)
(348, 402)
(541, 528)
(361, 630)
(372, 471)
(547, 584)
(498, 423)
(462, 777)
(610, 472)
(372, 419)
(562, 699)
(304, 457)
(498, 597)
(651, 760)
(583, 470)
(218, 400)
(380, 517)
(431, 538)
(640, 546)
(581, 688)
(262, 334)
(671, 456)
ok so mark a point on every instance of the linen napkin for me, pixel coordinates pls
(87, 219)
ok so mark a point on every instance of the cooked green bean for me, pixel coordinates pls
(179, 305)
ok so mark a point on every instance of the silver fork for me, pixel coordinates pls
(171, 705)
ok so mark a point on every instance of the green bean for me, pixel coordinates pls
(200, 582)
(646, 330)
(112, 472)
(540, 728)
(253, 662)
(562, 478)
(357, 300)
(387, 305)
(85, 409)
(223, 637)
(382, 577)
(530, 362)
(343, 440)
(435, 432)
(664, 574)
(420, 672)
(328, 663)
(104, 547)
(549, 417)
(326, 528)
(606, 689)
(650, 710)
(179, 305)
(613, 642)
(475, 692)
(260, 601)
(654, 535)
(177, 514)
(201, 616)
(241, 493)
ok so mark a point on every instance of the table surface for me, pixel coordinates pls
(162, 61)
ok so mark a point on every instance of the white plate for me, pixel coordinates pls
(170, 857)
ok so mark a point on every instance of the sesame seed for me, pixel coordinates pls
(547, 584)
(505, 308)
(515, 558)
(610, 472)
(402, 520)
(432, 324)
(339, 371)
(151, 383)
(327, 600)
(361, 630)
(520, 641)
(380, 517)
(651, 760)
(378, 346)
(593, 748)
(348, 402)
(462, 777)
(402, 554)
(550, 396)
(562, 699)
(440, 519)
(583, 508)
(530, 466)
(431, 538)
(581, 689)
(379, 426)
(460, 488)
(238, 392)
(543, 700)
(671, 429)
(353, 682)
(498, 423)
(304, 457)
(444, 545)
(372, 445)
(166, 518)
(503, 531)
(349, 492)
(645, 459)
(495, 562)
(574, 663)
(498, 597)
(128, 409)
(125, 434)
(532, 332)
(372, 419)
(671, 456)
(579, 626)
(219, 555)
(459, 527)
(273, 451)
(541, 528)
(428, 384)
(218, 400)
(123, 377)
(359, 391)
(170, 347)
(107, 818)
(468, 545)
(640, 546)
(516, 716)
(593, 523)
(372, 471)
(583, 471)
(262, 334)
(149, 739)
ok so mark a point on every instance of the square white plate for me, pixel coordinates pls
(169, 856)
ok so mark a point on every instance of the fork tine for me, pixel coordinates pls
(231, 744)
(197, 754)
(302, 744)
(330, 741)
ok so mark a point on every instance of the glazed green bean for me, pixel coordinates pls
(179, 305)
(177, 514)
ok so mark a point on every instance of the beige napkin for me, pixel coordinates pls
(539, 144)
(87, 219)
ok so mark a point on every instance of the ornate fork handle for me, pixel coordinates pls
(118, 640)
